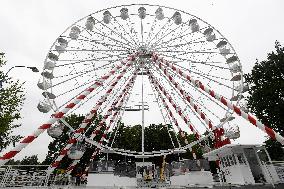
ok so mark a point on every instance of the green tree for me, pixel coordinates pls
(27, 160)
(11, 101)
(266, 95)
(156, 138)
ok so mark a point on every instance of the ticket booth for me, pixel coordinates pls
(244, 164)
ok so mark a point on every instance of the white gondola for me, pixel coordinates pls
(76, 151)
(43, 106)
(55, 131)
(232, 59)
(47, 75)
(177, 18)
(235, 68)
(159, 14)
(106, 17)
(237, 77)
(194, 26)
(241, 88)
(50, 65)
(124, 13)
(43, 85)
(232, 132)
(74, 33)
(236, 97)
(223, 48)
(209, 34)
(90, 23)
(52, 57)
(142, 12)
(62, 44)
(48, 95)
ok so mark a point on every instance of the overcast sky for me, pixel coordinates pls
(28, 29)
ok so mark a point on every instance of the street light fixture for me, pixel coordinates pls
(34, 69)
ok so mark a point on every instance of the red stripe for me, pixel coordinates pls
(87, 120)
(98, 83)
(71, 105)
(59, 115)
(105, 77)
(237, 110)
(188, 99)
(270, 132)
(81, 97)
(90, 89)
(112, 72)
(251, 119)
(28, 139)
(202, 115)
(171, 78)
(180, 72)
(45, 126)
(63, 152)
(55, 164)
(188, 77)
(72, 141)
(114, 84)
(174, 68)
(210, 125)
(109, 91)
(195, 108)
(223, 100)
(80, 130)
(185, 119)
(197, 136)
(9, 155)
(70, 168)
(201, 86)
(211, 93)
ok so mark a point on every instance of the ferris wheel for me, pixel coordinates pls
(141, 64)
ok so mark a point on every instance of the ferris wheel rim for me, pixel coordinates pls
(151, 6)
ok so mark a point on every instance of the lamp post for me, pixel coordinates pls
(34, 69)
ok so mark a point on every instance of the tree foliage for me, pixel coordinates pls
(11, 101)
(157, 137)
(266, 99)
(27, 160)
(126, 137)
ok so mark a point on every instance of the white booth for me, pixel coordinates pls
(244, 164)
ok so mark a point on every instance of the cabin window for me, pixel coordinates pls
(228, 161)
(224, 162)
(231, 160)
(234, 159)
(241, 159)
